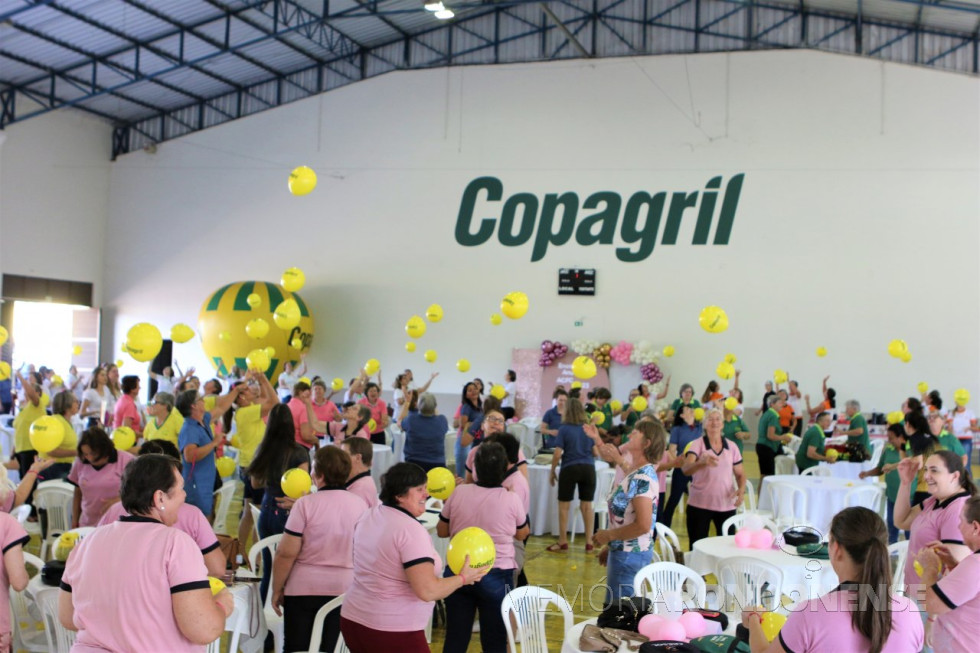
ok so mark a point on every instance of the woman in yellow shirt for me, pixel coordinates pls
(64, 407)
(166, 422)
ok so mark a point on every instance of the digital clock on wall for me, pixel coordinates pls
(576, 281)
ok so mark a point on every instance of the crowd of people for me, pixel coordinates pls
(351, 538)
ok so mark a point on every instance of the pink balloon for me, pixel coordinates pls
(668, 630)
(649, 624)
(762, 539)
(743, 539)
(694, 624)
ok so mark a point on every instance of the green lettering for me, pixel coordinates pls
(606, 219)
(495, 190)
(647, 236)
(707, 209)
(506, 234)
(569, 204)
(728, 207)
(678, 202)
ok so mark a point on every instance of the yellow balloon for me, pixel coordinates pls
(713, 319)
(124, 438)
(224, 336)
(302, 181)
(514, 305)
(254, 300)
(772, 623)
(616, 405)
(698, 414)
(779, 376)
(730, 359)
(293, 279)
(498, 391)
(433, 313)
(304, 379)
(119, 363)
(216, 585)
(372, 366)
(337, 384)
(296, 482)
(143, 342)
(430, 355)
(410, 347)
(46, 433)
(895, 417)
(583, 368)
(576, 384)
(832, 454)
(495, 319)
(961, 397)
(57, 380)
(296, 343)
(906, 356)
(731, 403)
(415, 327)
(3, 335)
(922, 387)
(372, 426)
(441, 483)
(181, 333)
(669, 351)
(475, 543)
(639, 404)
(270, 352)
(257, 359)
(76, 350)
(598, 417)
(896, 348)
(257, 329)
(225, 466)
(287, 314)
(462, 365)
(821, 351)
(4, 370)
(65, 545)
(725, 370)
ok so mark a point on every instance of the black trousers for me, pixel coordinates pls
(699, 522)
(299, 612)
(678, 486)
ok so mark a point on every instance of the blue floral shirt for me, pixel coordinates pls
(641, 482)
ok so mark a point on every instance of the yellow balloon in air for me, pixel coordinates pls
(639, 404)
(713, 319)
(254, 300)
(287, 314)
(119, 363)
(76, 350)
(46, 433)
(124, 438)
(292, 279)
(296, 482)
(576, 384)
(495, 319)
(302, 181)
(337, 384)
(410, 347)
(897, 347)
(440, 483)
(961, 397)
(225, 466)
(143, 342)
(730, 359)
(821, 352)
(270, 352)
(431, 355)
(906, 356)
(3, 335)
(498, 391)
(475, 543)
(415, 327)
(258, 359)
(698, 414)
(725, 370)
(514, 305)
(779, 376)
(179, 333)
(372, 366)
(462, 365)
(433, 313)
(4, 370)
(257, 328)
(731, 403)
(922, 387)
(583, 368)
(669, 351)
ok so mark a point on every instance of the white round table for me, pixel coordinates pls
(544, 498)
(384, 458)
(803, 578)
(849, 470)
(824, 496)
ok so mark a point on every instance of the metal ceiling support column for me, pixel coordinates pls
(859, 29)
(697, 25)
(564, 30)
(120, 141)
(749, 18)
(8, 99)
(918, 27)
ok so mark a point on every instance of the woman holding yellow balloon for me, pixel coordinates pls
(63, 408)
(501, 514)
(96, 475)
(842, 620)
(397, 571)
(379, 411)
(34, 408)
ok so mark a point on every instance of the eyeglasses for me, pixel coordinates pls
(495, 420)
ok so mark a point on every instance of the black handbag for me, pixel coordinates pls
(625, 614)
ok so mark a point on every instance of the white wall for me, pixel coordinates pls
(54, 193)
(858, 220)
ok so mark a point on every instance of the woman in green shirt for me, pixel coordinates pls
(735, 429)
(888, 465)
(686, 399)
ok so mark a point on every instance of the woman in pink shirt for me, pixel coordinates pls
(360, 482)
(850, 617)
(397, 572)
(711, 461)
(298, 406)
(356, 417)
(314, 562)
(499, 512)
(127, 414)
(96, 475)
(159, 600)
(936, 518)
(13, 537)
(379, 411)
(324, 409)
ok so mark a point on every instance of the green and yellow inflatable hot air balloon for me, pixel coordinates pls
(227, 311)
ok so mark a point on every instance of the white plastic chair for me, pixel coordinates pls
(867, 496)
(817, 470)
(528, 605)
(222, 498)
(793, 445)
(59, 638)
(272, 620)
(667, 543)
(321, 616)
(600, 502)
(789, 502)
(877, 448)
(663, 577)
(750, 582)
(738, 520)
(25, 636)
(433, 503)
(21, 513)
(899, 550)
(56, 497)
(785, 465)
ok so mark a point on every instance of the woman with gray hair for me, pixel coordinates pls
(425, 431)
(166, 422)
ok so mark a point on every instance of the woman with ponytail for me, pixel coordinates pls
(859, 614)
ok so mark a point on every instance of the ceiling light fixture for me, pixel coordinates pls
(444, 14)
(433, 5)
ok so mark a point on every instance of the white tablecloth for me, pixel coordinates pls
(849, 471)
(824, 494)
(803, 578)
(384, 458)
(544, 498)
(430, 519)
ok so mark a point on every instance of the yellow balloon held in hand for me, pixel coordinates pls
(216, 585)
(372, 366)
(772, 623)
(46, 433)
(410, 347)
(440, 483)
(731, 403)
(287, 314)
(463, 365)
(225, 466)
(77, 349)
(832, 454)
(337, 384)
(639, 404)
(669, 351)
(415, 327)
(495, 319)
(302, 181)
(583, 368)
(821, 352)
(180, 333)
(258, 359)
(293, 279)
(296, 482)
(433, 313)
(498, 391)
(598, 417)
(254, 300)
(615, 405)
(779, 376)
(124, 438)
(713, 319)
(475, 543)
(514, 305)
(257, 328)
(371, 425)
(431, 355)
(698, 414)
